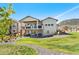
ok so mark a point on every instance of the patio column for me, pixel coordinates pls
(21, 30)
(37, 24)
(37, 28)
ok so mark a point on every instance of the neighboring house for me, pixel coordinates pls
(14, 28)
(33, 26)
(70, 28)
(70, 25)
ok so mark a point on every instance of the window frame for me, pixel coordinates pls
(52, 24)
(48, 24)
(45, 24)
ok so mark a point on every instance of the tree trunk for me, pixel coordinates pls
(10, 36)
(2, 37)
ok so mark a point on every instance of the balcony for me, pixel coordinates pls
(28, 27)
(33, 27)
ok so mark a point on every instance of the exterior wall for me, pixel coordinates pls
(19, 27)
(49, 30)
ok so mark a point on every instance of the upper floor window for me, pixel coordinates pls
(47, 31)
(51, 24)
(13, 30)
(35, 26)
(45, 24)
(48, 24)
(14, 25)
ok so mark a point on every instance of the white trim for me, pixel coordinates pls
(37, 24)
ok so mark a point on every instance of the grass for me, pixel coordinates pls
(69, 45)
(16, 50)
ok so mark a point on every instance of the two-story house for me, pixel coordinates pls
(33, 26)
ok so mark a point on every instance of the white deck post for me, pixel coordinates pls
(37, 27)
(37, 24)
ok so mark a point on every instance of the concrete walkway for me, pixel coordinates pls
(42, 51)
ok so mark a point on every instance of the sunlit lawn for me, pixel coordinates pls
(69, 45)
(16, 50)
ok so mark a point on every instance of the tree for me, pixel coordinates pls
(5, 21)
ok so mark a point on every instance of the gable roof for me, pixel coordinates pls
(50, 18)
(29, 17)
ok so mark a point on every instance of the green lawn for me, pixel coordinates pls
(69, 45)
(16, 50)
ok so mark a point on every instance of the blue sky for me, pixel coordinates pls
(43, 10)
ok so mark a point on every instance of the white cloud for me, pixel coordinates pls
(70, 10)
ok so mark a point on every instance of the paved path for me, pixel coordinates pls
(8, 43)
(42, 51)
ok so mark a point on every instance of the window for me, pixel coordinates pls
(14, 25)
(39, 26)
(13, 30)
(45, 24)
(28, 27)
(48, 32)
(51, 24)
(48, 24)
(35, 26)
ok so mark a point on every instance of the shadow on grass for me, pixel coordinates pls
(63, 33)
